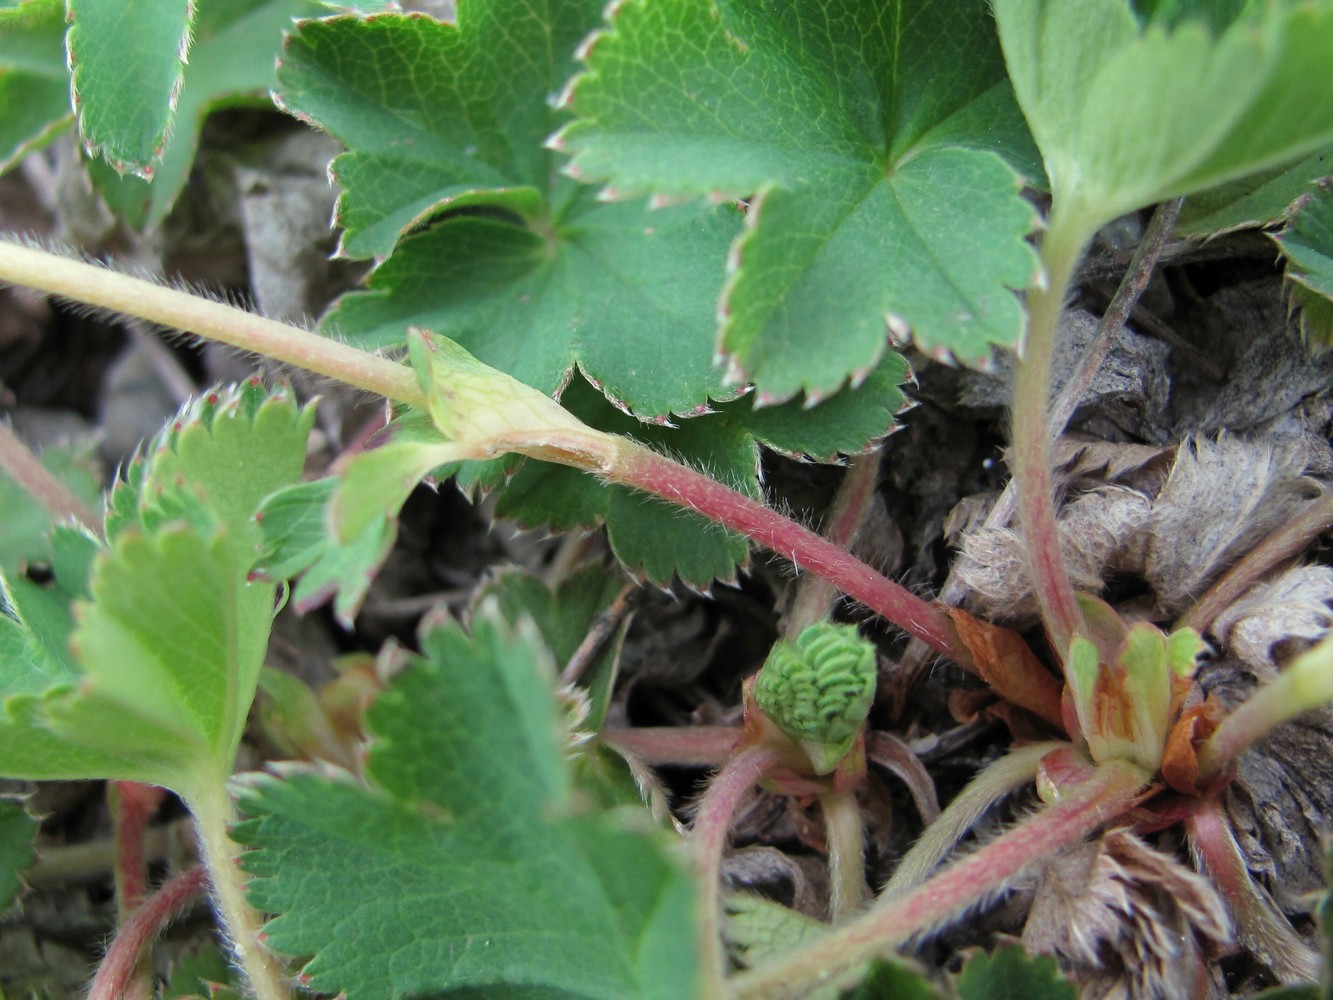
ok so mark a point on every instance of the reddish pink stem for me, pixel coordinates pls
(728, 790)
(650, 472)
(116, 974)
(132, 806)
(1109, 792)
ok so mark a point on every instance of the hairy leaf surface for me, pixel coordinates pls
(461, 863)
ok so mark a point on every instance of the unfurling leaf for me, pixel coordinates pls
(818, 689)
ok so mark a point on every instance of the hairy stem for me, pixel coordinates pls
(26, 469)
(115, 976)
(1287, 541)
(1108, 793)
(169, 307)
(846, 853)
(646, 470)
(1030, 452)
(991, 784)
(132, 805)
(728, 790)
(1261, 928)
(212, 811)
(856, 493)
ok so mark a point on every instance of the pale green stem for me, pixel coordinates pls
(1030, 452)
(213, 814)
(637, 467)
(728, 790)
(1109, 792)
(1305, 683)
(845, 833)
(1016, 768)
(97, 286)
(26, 469)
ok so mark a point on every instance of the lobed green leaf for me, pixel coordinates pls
(1127, 115)
(869, 134)
(461, 863)
(235, 46)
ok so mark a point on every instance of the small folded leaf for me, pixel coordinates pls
(818, 689)
(484, 879)
(1307, 243)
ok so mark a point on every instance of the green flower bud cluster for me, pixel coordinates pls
(818, 689)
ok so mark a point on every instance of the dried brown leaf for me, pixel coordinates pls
(1011, 669)
(1292, 605)
(1130, 920)
(1222, 496)
(1095, 529)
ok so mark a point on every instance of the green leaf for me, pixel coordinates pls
(23, 531)
(128, 61)
(1009, 974)
(36, 619)
(1307, 243)
(17, 832)
(893, 981)
(34, 83)
(868, 133)
(627, 295)
(564, 617)
(529, 271)
(655, 540)
(231, 61)
(169, 647)
(1257, 200)
(481, 878)
(1127, 116)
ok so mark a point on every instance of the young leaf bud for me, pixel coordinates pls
(818, 688)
